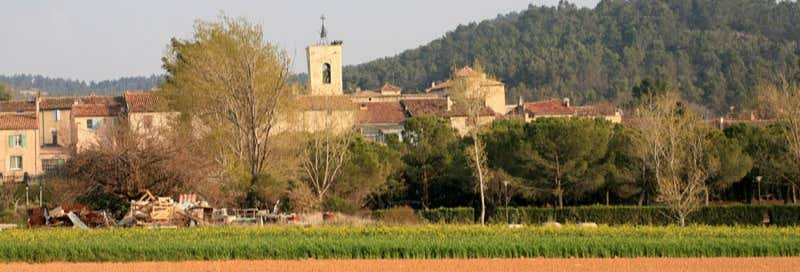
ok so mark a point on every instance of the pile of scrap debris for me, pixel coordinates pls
(152, 211)
(78, 216)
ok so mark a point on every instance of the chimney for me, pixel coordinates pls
(520, 102)
(433, 84)
(566, 102)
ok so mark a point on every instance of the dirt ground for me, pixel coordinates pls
(468, 265)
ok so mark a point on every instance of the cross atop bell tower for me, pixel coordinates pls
(325, 65)
(323, 34)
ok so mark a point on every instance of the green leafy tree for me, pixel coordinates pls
(231, 84)
(430, 141)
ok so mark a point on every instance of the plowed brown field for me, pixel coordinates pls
(443, 265)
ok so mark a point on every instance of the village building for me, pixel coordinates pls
(19, 152)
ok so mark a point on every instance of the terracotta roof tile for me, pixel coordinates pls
(416, 107)
(92, 110)
(52, 103)
(600, 109)
(13, 121)
(17, 106)
(144, 101)
(380, 113)
(438, 107)
(390, 87)
(549, 107)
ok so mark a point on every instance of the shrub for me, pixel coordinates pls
(461, 215)
(396, 215)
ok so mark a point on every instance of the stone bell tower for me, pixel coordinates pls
(325, 65)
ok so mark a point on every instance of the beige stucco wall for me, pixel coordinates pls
(160, 120)
(62, 127)
(317, 55)
(335, 120)
(28, 153)
(85, 137)
(460, 123)
(496, 98)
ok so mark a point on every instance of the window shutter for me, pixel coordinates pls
(24, 140)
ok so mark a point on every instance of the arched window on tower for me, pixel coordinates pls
(326, 73)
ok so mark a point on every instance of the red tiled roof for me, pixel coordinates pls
(52, 103)
(144, 101)
(417, 107)
(98, 99)
(17, 106)
(12, 121)
(600, 109)
(438, 107)
(389, 87)
(91, 110)
(380, 112)
(549, 107)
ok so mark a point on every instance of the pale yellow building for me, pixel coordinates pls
(18, 155)
(147, 112)
(493, 91)
(92, 121)
(54, 115)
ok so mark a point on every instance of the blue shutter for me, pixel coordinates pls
(24, 140)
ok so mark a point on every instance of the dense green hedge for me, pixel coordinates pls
(780, 215)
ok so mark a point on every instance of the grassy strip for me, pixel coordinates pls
(429, 241)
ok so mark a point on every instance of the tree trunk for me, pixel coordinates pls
(707, 196)
(560, 194)
(607, 198)
(794, 193)
(480, 180)
(641, 197)
(682, 219)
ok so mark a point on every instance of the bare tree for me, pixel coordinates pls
(782, 101)
(232, 85)
(124, 162)
(470, 97)
(328, 131)
(676, 152)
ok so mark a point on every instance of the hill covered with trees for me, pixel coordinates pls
(714, 52)
(60, 86)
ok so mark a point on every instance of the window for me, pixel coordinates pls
(54, 134)
(16, 141)
(92, 124)
(50, 165)
(326, 73)
(57, 115)
(15, 162)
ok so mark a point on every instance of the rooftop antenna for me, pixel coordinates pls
(323, 34)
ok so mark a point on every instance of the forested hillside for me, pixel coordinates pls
(60, 86)
(713, 51)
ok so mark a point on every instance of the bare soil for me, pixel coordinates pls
(443, 265)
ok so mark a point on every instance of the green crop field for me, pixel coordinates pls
(424, 241)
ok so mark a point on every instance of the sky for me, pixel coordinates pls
(107, 39)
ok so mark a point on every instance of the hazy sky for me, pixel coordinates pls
(104, 39)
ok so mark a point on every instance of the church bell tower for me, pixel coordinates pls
(325, 65)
